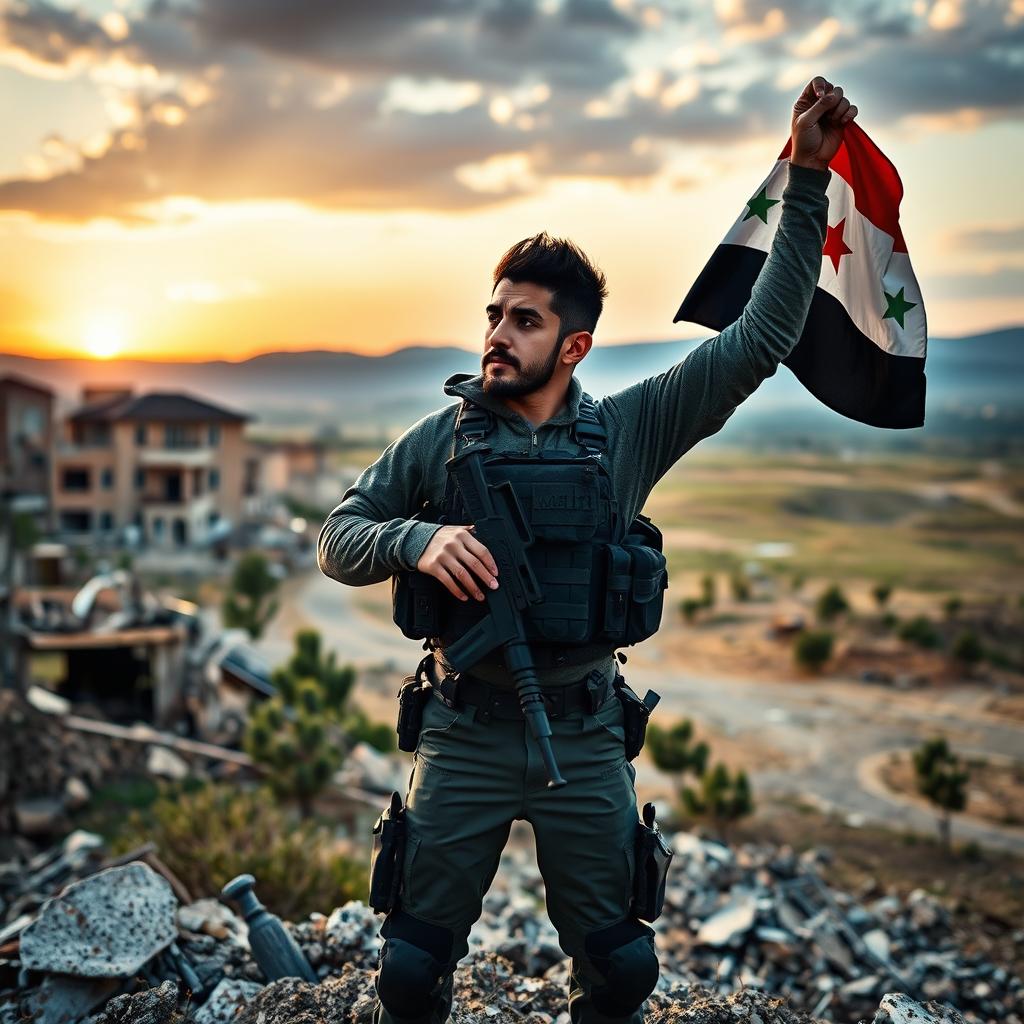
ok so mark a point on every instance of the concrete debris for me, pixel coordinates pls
(158, 1005)
(211, 917)
(897, 1008)
(105, 926)
(366, 768)
(63, 998)
(166, 763)
(730, 924)
(226, 1001)
(749, 934)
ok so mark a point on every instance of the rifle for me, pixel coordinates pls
(502, 528)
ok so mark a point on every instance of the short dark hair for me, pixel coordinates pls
(578, 287)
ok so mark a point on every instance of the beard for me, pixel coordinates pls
(525, 381)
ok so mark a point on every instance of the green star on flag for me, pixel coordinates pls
(760, 205)
(897, 307)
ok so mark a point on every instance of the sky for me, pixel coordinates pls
(220, 178)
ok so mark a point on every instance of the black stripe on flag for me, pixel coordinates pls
(837, 363)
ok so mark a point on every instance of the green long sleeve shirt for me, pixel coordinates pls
(369, 536)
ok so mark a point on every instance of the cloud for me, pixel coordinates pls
(1002, 238)
(450, 104)
(1000, 283)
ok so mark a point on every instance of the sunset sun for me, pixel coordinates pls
(104, 335)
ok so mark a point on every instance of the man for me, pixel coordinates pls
(476, 770)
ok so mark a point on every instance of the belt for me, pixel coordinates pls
(491, 702)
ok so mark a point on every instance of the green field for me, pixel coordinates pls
(924, 523)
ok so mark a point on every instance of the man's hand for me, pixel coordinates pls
(455, 556)
(819, 116)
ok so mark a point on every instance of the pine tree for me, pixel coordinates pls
(247, 604)
(299, 733)
(674, 752)
(724, 797)
(942, 778)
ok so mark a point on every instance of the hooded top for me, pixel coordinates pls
(651, 424)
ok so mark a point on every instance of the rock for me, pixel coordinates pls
(154, 1006)
(105, 926)
(76, 793)
(897, 1008)
(211, 917)
(47, 701)
(62, 998)
(43, 816)
(367, 768)
(166, 763)
(729, 923)
(226, 1001)
(340, 1000)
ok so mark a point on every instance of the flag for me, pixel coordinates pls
(862, 350)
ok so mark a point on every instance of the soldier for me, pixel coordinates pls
(476, 768)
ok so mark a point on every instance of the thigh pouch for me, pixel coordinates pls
(386, 856)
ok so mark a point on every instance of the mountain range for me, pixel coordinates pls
(974, 387)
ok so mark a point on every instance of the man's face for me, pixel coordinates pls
(521, 342)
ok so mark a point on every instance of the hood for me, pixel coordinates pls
(467, 385)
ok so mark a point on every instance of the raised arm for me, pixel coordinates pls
(667, 414)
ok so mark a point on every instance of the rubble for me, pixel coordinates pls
(105, 926)
(749, 934)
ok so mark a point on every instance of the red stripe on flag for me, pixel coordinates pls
(877, 189)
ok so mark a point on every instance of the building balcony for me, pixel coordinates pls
(198, 504)
(187, 457)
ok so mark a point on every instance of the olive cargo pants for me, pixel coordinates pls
(470, 779)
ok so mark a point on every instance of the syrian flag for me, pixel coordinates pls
(862, 350)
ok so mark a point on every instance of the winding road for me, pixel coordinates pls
(829, 732)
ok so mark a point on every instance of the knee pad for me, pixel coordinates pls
(413, 960)
(624, 955)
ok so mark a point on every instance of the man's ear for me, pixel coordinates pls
(576, 347)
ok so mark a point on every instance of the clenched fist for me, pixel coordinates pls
(456, 558)
(819, 116)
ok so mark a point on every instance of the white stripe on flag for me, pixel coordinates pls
(861, 283)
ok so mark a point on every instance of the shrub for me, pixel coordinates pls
(813, 648)
(208, 836)
(740, 586)
(919, 630)
(890, 620)
(967, 648)
(831, 604)
(881, 592)
(689, 606)
(952, 606)
(707, 590)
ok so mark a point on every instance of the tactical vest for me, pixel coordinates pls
(603, 584)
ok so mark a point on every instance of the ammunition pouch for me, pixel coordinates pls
(386, 856)
(602, 593)
(413, 694)
(653, 856)
(635, 714)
